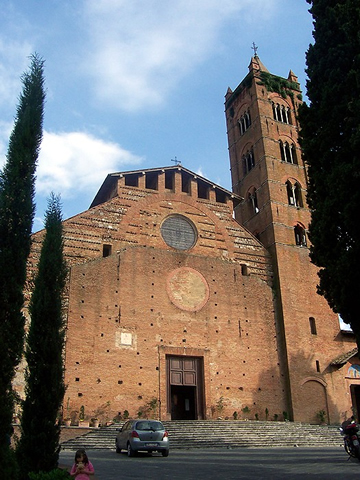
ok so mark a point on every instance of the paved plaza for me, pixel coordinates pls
(210, 464)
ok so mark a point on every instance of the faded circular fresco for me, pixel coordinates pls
(187, 289)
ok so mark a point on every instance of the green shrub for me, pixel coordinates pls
(245, 410)
(321, 415)
(9, 465)
(57, 474)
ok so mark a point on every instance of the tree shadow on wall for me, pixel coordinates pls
(311, 398)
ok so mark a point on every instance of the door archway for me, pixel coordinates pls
(185, 387)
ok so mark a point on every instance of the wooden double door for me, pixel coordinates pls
(185, 387)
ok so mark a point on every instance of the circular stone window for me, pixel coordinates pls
(178, 232)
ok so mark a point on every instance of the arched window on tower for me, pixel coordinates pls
(252, 197)
(294, 194)
(248, 161)
(288, 152)
(244, 122)
(293, 154)
(274, 111)
(247, 119)
(288, 115)
(300, 235)
(281, 113)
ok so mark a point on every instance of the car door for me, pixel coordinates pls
(123, 435)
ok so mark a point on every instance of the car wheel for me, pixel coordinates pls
(165, 453)
(130, 451)
(118, 449)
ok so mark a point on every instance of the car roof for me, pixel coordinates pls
(150, 420)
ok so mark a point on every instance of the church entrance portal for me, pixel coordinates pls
(355, 398)
(185, 388)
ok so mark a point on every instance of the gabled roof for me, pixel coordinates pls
(344, 357)
(111, 180)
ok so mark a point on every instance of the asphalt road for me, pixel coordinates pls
(210, 464)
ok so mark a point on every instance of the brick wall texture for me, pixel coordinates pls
(205, 331)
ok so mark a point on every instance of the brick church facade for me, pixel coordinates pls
(193, 302)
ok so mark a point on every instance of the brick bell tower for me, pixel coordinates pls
(267, 170)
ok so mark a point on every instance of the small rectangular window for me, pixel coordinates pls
(317, 366)
(132, 180)
(151, 180)
(106, 250)
(244, 270)
(186, 183)
(220, 196)
(312, 326)
(203, 190)
(169, 179)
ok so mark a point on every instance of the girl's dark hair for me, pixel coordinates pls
(83, 453)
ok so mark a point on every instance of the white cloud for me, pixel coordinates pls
(14, 60)
(72, 162)
(75, 162)
(138, 50)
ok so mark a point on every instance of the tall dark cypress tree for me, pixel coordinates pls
(38, 448)
(17, 184)
(330, 139)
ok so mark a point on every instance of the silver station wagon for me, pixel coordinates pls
(142, 436)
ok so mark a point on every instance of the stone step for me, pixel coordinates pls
(222, 433)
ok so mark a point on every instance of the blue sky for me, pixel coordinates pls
(133, 84)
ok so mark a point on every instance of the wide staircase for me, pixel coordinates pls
(223, 434)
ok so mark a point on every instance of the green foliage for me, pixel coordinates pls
(220, 405)
(321, 415)
(285, 416)
(56, 474)
(153, 404)
(126, 414)
(266, 413)
(9, 465)
(235, 415)
(330, 139)
(278, 84)
(149, 410)
(38, 447)
(17, 186)
(82, 413)
(256, 416)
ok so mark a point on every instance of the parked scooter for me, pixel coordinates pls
(351, 438)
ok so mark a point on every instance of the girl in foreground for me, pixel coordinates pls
(82, 468)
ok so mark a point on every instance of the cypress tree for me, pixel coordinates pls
(38, 449)
(17, 184)
(330, 139)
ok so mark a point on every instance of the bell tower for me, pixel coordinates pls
(268, 172)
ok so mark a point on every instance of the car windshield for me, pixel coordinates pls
(147, 425)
